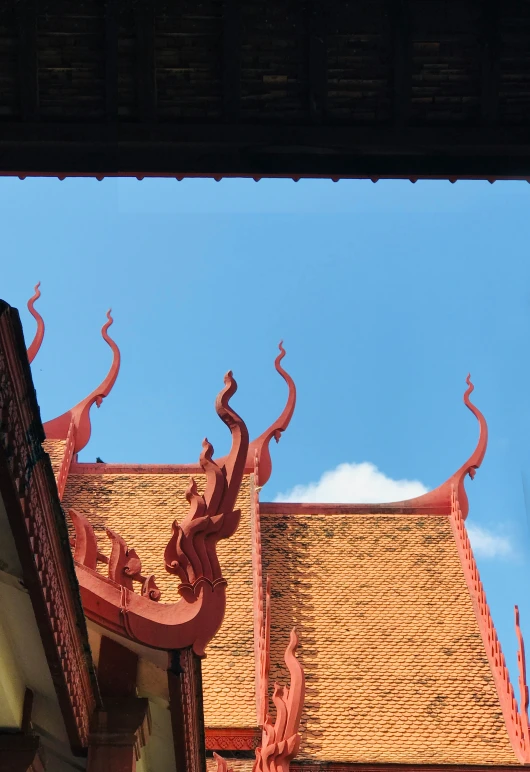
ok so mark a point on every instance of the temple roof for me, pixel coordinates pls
(401, 656)
(395, 664)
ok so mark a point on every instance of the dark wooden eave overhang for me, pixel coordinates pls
(387, 88)
(29, 493)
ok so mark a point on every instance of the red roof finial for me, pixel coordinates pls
(477, 457)
(260, 446)
(439, 499)
(39, 335)
(57, 429)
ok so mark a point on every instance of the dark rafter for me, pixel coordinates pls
(317, 59)
(401, 60)
(144, 14)
(26, 11)
(111, 60)
(231, 59)
(490, 62)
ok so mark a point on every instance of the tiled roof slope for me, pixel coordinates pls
(55, 449)
(141, 508)
(395, 665)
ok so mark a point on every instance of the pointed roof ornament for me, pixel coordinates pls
(259, 448)
(58, 428)
(439, 499)
(39, 335)
(523, 688)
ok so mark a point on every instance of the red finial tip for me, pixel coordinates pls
(58, 428)
(39, 335)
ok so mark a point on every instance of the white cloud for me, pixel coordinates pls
(364, 484)
(487, 544)
(359, 483)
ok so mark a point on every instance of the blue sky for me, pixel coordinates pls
(386, 296)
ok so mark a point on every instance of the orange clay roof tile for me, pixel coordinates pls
(395, 665)
(55, 449)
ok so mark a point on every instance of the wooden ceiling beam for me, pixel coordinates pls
(26, 14)
(490, 62)
(231, 60)
(317, 59)
(144, 14)
(111, 60)
(398, 16)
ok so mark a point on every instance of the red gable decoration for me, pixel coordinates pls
(190, 554)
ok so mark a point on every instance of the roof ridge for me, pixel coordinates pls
(515, 723)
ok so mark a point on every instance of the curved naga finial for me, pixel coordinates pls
(439, 499)
(191, 554)
(280, 741)
(58, 428)
(36, 343)
(260, 446)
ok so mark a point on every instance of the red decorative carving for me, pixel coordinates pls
(512, 717)
(232, 739)
(39, 335)
(523, 685)
(280, 740)
(59, 428)
(190, 554)
(124, 565)
(260, 446)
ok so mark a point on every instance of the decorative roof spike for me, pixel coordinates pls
(191, 553)
(523, 685)
(234, 464)
(439, 499)
(280, 741)
(36, 343)
(259, 448)
(222, 765)
(57, 429)
(261, 444)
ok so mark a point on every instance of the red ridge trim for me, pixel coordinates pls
(523, 685)
(295, 508)
(257, 586)
(36, 343)
(85, 468)
(58, 428)
(344, 766)
(66, 462)
(501, 676)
